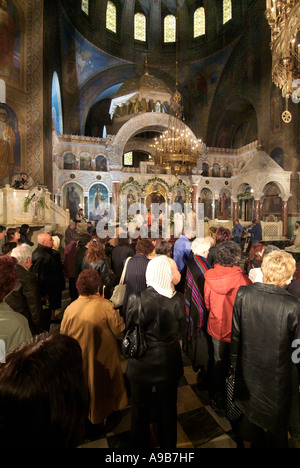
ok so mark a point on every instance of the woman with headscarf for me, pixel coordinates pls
(161, 317)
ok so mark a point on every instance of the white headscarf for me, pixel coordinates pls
(159, 275)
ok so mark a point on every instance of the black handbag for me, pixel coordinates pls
(232, 412)
(134, 345)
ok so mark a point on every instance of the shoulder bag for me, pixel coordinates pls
(232, 412)
(118, 294)
(134, 345)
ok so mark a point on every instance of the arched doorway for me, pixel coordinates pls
(272, 203)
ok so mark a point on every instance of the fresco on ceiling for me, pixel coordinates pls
(80, 58)
(241, 76)
(10, 42)
(206, 72)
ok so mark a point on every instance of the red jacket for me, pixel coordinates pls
(220, 289)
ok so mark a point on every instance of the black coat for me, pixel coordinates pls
(26, 300)
(135, 278)
(118, 257)
(162, 320)
(49, 275)
(266, 321)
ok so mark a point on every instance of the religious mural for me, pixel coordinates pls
(69, 161)
(72, 198)
(179, 196)
(80, 58)
(131, 194)
(98, 201)
(206, 197)
(10, 42)
(272, 204)
(85, 162)
(101, 163)
(156, 193)
(224, 204)
(9, 142)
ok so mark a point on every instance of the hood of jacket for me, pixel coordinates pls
(223, 279)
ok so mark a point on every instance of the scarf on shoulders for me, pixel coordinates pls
(195, 310)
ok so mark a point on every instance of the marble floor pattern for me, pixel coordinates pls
(198, 426)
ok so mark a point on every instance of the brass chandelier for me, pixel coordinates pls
(284, 20)
(177, 150)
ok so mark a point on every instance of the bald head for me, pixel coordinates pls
(45, 239)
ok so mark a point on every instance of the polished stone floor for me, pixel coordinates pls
(198, 426)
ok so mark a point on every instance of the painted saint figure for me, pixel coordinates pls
(7, 145)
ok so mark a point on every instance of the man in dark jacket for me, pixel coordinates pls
(256, 232)
(25, 298)
(48, 275)
(266, 325)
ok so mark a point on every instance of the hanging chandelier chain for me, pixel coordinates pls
(284, 20)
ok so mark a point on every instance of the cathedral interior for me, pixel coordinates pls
(89, 89)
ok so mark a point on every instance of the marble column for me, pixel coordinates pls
(235, 209)
(115, 198)
(284, 215)
(257, 209)
(194, 197)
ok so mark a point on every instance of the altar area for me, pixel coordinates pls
(244, 183)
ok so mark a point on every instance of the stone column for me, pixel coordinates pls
(257, 205)
(257, 210)
(115, 198)
(284, 214)
(194, 197)
(235, 209)
(86, 204)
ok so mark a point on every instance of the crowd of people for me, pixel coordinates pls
(230, 316)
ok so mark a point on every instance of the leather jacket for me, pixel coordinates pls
(102, 267)
(25, 299)
(266, 321)
(162, 320)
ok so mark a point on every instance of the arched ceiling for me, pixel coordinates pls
(123, 45)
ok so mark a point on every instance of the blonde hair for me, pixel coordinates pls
(56, 242)
(278, 267)
(95, 250)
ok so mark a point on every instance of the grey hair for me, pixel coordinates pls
(22, 253)
(200, 246)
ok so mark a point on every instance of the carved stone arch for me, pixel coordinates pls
(150, 121)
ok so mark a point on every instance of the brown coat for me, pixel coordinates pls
(94, 323)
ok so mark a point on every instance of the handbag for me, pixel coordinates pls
(134, 344)
(119, 291)
(232, 412)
